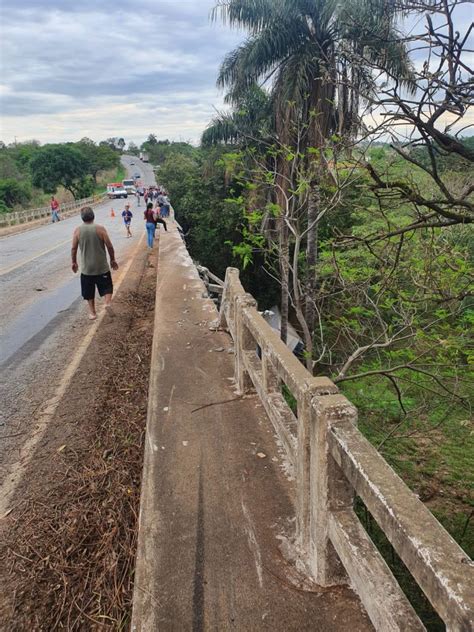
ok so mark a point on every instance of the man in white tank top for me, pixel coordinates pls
(92, 240)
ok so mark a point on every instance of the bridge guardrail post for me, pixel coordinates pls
(329, 489)
(230, 274)
(270, 379)
(318, 386)
(243, 342)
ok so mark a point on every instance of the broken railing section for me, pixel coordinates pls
(214, 285)
(333, 462)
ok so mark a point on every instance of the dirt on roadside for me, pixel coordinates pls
(68, 542)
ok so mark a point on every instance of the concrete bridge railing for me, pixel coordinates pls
(333, 462)
(29, 215)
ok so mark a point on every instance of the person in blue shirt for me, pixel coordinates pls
(127, 219)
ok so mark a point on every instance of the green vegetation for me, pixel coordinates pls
(366, 245)
(361, 234)
(29, 173)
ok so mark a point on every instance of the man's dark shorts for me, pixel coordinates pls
(102, 281)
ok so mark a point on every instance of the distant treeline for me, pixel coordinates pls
(29, 171)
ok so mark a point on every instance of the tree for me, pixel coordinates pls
(60, 165)
(13, 192)
(159, 150)
(99, 157)
(133, 149)
(301, 46)
(248, 123)
(121, 144)
(111, 142)
(426, 128)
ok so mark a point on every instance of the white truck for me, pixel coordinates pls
(129, 186)
(144, 156)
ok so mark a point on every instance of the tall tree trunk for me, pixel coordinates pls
(285, 276)
(298, 302)
(284, 134)
(314, 203)
(323, 98)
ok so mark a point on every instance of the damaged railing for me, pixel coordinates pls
(332, 462)
(214, 285)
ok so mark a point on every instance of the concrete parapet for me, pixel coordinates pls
(439, 565)
(333, 462)
(217, 509)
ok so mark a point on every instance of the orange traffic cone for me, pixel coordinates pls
(112, 212)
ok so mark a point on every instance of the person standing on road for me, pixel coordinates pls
(92, 240)
(166, 205)
(54, 210)
(127, 219)
(151, 220)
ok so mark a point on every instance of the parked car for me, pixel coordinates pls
(116, 190)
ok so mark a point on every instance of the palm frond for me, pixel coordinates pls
(220, 130)
(252, 15)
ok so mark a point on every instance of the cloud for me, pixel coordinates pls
(115, 67)
(91, 62)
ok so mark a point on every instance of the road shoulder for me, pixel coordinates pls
(68, 539)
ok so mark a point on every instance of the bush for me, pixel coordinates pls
(13, 192)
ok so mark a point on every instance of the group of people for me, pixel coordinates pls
(158, 197)
(93, 242)
(154, 213)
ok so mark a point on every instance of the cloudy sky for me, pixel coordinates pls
(101, 68)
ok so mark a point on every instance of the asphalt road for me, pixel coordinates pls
(42, 316)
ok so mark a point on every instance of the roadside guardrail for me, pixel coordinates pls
(29, 215)
(333, 462)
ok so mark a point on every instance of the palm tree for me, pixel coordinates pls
(248, 122)
(304, 49)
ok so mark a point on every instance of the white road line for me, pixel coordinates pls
(9, 486)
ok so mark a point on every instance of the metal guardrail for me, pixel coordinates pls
(333, 461)
(29, 215)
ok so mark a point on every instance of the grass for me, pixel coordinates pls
(433, 454)
(407, 583)
(104, 177)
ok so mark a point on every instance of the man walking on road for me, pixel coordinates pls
(92, 240)
(54, 210)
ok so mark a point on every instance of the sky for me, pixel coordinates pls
(102, 68)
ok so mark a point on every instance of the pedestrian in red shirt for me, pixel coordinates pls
(54, 210)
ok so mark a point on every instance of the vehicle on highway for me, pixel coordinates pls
(144, 156)
(141, 190)
(129, 186)
(116, 190)
(137, 176)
